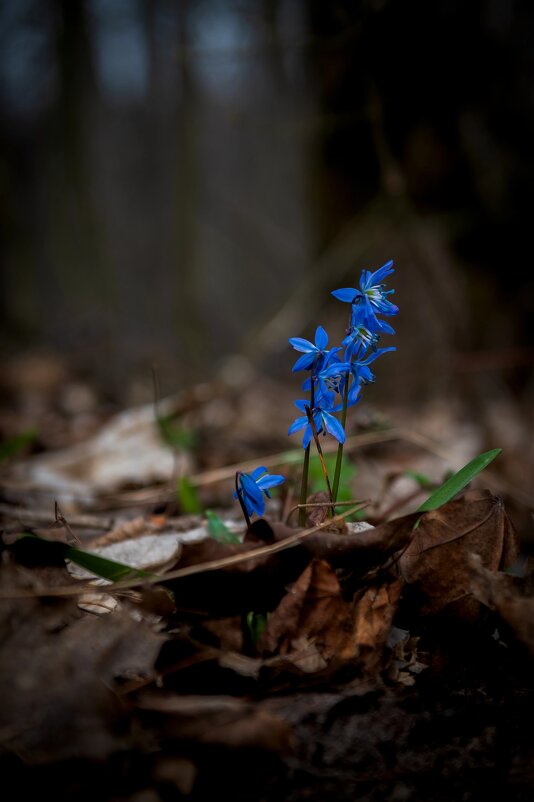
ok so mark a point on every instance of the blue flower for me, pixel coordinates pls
(324, 422)
(370, 299)
(253, 485)
(324, 390)
(313, 354)
(359, 369)
(359, 336)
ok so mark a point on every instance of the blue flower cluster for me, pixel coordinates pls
(334, 382)
(332, 375)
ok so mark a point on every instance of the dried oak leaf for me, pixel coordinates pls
(436, 562)
(315, 628)
(497, 591)
(357, 551)
(260, 582)
(58, 672)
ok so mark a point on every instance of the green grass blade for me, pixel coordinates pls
(424, 482)
(14, 445)
(256, 623)
(100, 566)
(452, 486)
(218, 529)
(188, 497)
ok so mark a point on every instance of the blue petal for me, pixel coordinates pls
(384, 306)
(252, 495)
(308, 434)
(354, 394)
(300, 344)
(304, 362)
(271, 481)
(302, 405)
(379, 275)
(257, 473)
(346, 294)
(325, 398)
(331, 356)
(362, 373)
(352, 398)
(375, 354)
(256, 506)
(385, 328)
(297, 424)
(321, 338)
(365, 282)
(333, 427)
(338, 367)
(364, 314)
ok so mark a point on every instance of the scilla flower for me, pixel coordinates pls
(370, 299)
(313, 354)
(323, 419)
(251, 487)
(359, 369)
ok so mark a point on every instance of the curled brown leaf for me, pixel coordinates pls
(436, 562)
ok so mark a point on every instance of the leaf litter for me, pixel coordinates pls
(354, 689)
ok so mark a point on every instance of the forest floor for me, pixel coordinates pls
(383, 654)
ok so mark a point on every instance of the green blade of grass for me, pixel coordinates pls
(218, 529)
(188, 497)
(14, 445)
(424, 482)
(457, 482)
(100, 566)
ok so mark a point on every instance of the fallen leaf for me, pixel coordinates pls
(58, 701)
(497, 591)
(128, 450)
(436, 562)
(316, 627)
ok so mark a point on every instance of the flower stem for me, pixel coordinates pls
(305, 469)
(320, 452)
(339, 459)
(240, 499)
(304, 487)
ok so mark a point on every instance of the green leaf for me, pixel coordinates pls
(218, 529)
(458, 481)
(424, 481)
(174, 435)
(107, 569)
(256, 623)
(316, 476)
(188, 497)
(13, 445)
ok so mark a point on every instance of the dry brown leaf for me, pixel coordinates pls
(316, 628)
(436, 562)
(58, 699)
(497, 591)
(260, 582)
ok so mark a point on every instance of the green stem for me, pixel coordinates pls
(305, 469)
(339, 460)
(304, 487)
(321, 457)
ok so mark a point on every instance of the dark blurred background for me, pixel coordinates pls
(182, 182)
